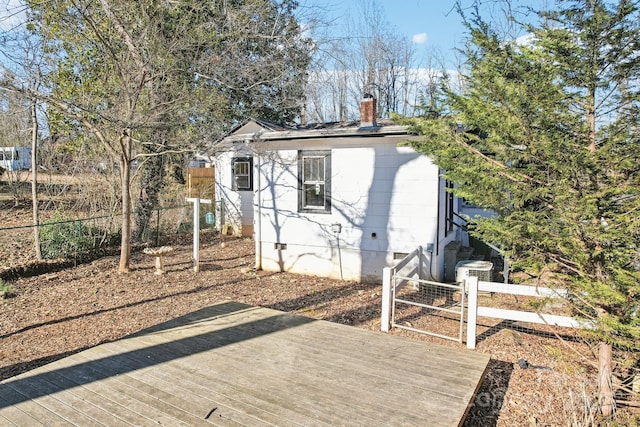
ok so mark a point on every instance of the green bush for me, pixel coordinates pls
(65, 238)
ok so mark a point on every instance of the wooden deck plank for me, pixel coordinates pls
(303, 386)
(456, 373)
(420, 366)
(180, 400)
(124, 397)
(116, 413)
(14, 416)
(97, 415)
(232, 364)
(39, 414)
(62, 406)
(276, 398)
(195, 385)
(308, 375)
(434, 401)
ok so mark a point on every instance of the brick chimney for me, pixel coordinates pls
(368, 111)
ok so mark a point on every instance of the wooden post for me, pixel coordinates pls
(471, 285)
(196, 230)
(386, 300)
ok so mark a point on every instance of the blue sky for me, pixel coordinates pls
(431, 24)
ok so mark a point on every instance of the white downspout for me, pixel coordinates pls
(257, 215)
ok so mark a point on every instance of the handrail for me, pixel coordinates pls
(464, 227)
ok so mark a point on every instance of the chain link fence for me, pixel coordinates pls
(77, 240)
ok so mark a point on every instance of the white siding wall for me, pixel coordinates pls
(384, 198)
(238, 205)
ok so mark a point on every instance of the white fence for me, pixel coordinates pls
(410, 269)
(473, 286)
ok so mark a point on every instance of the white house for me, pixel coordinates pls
(336, 200)
(15, 158)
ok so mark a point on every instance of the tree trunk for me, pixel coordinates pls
(34, 180)
(151, 184)
(607, 403)
(125, 241)
(591, 121)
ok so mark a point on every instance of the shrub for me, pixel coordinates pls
(65, 238)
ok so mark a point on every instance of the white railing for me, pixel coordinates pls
(473, 286)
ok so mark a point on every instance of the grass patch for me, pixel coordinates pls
(6, 290)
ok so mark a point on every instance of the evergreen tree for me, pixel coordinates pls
(551, 144)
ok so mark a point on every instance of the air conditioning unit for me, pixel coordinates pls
(480, 269)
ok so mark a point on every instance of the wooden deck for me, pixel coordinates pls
(233, 364)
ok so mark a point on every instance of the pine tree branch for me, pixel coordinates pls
(500, 165)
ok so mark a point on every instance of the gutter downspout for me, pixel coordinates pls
(437, 243)
(257, 213)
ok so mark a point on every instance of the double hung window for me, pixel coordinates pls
(314, 181)
(242, 168)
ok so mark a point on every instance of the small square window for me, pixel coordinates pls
(242, 174)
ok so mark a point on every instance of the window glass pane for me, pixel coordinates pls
(242, 182)
(242, 168)
(313, 169)
(314, 195)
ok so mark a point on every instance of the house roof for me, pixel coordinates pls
(260, 130)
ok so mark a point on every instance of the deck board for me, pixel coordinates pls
(237, 365)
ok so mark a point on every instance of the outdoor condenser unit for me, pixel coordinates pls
(480, 269)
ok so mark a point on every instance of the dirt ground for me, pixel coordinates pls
(56, 314)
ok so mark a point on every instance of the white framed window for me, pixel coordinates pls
(242, 173)
(314, 181)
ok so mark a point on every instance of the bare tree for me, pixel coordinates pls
(148, 78)
(371, 58)
(14, 128)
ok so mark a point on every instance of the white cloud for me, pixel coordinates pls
(420, 38)
(526, 40)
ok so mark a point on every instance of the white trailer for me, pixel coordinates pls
(15, 158)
